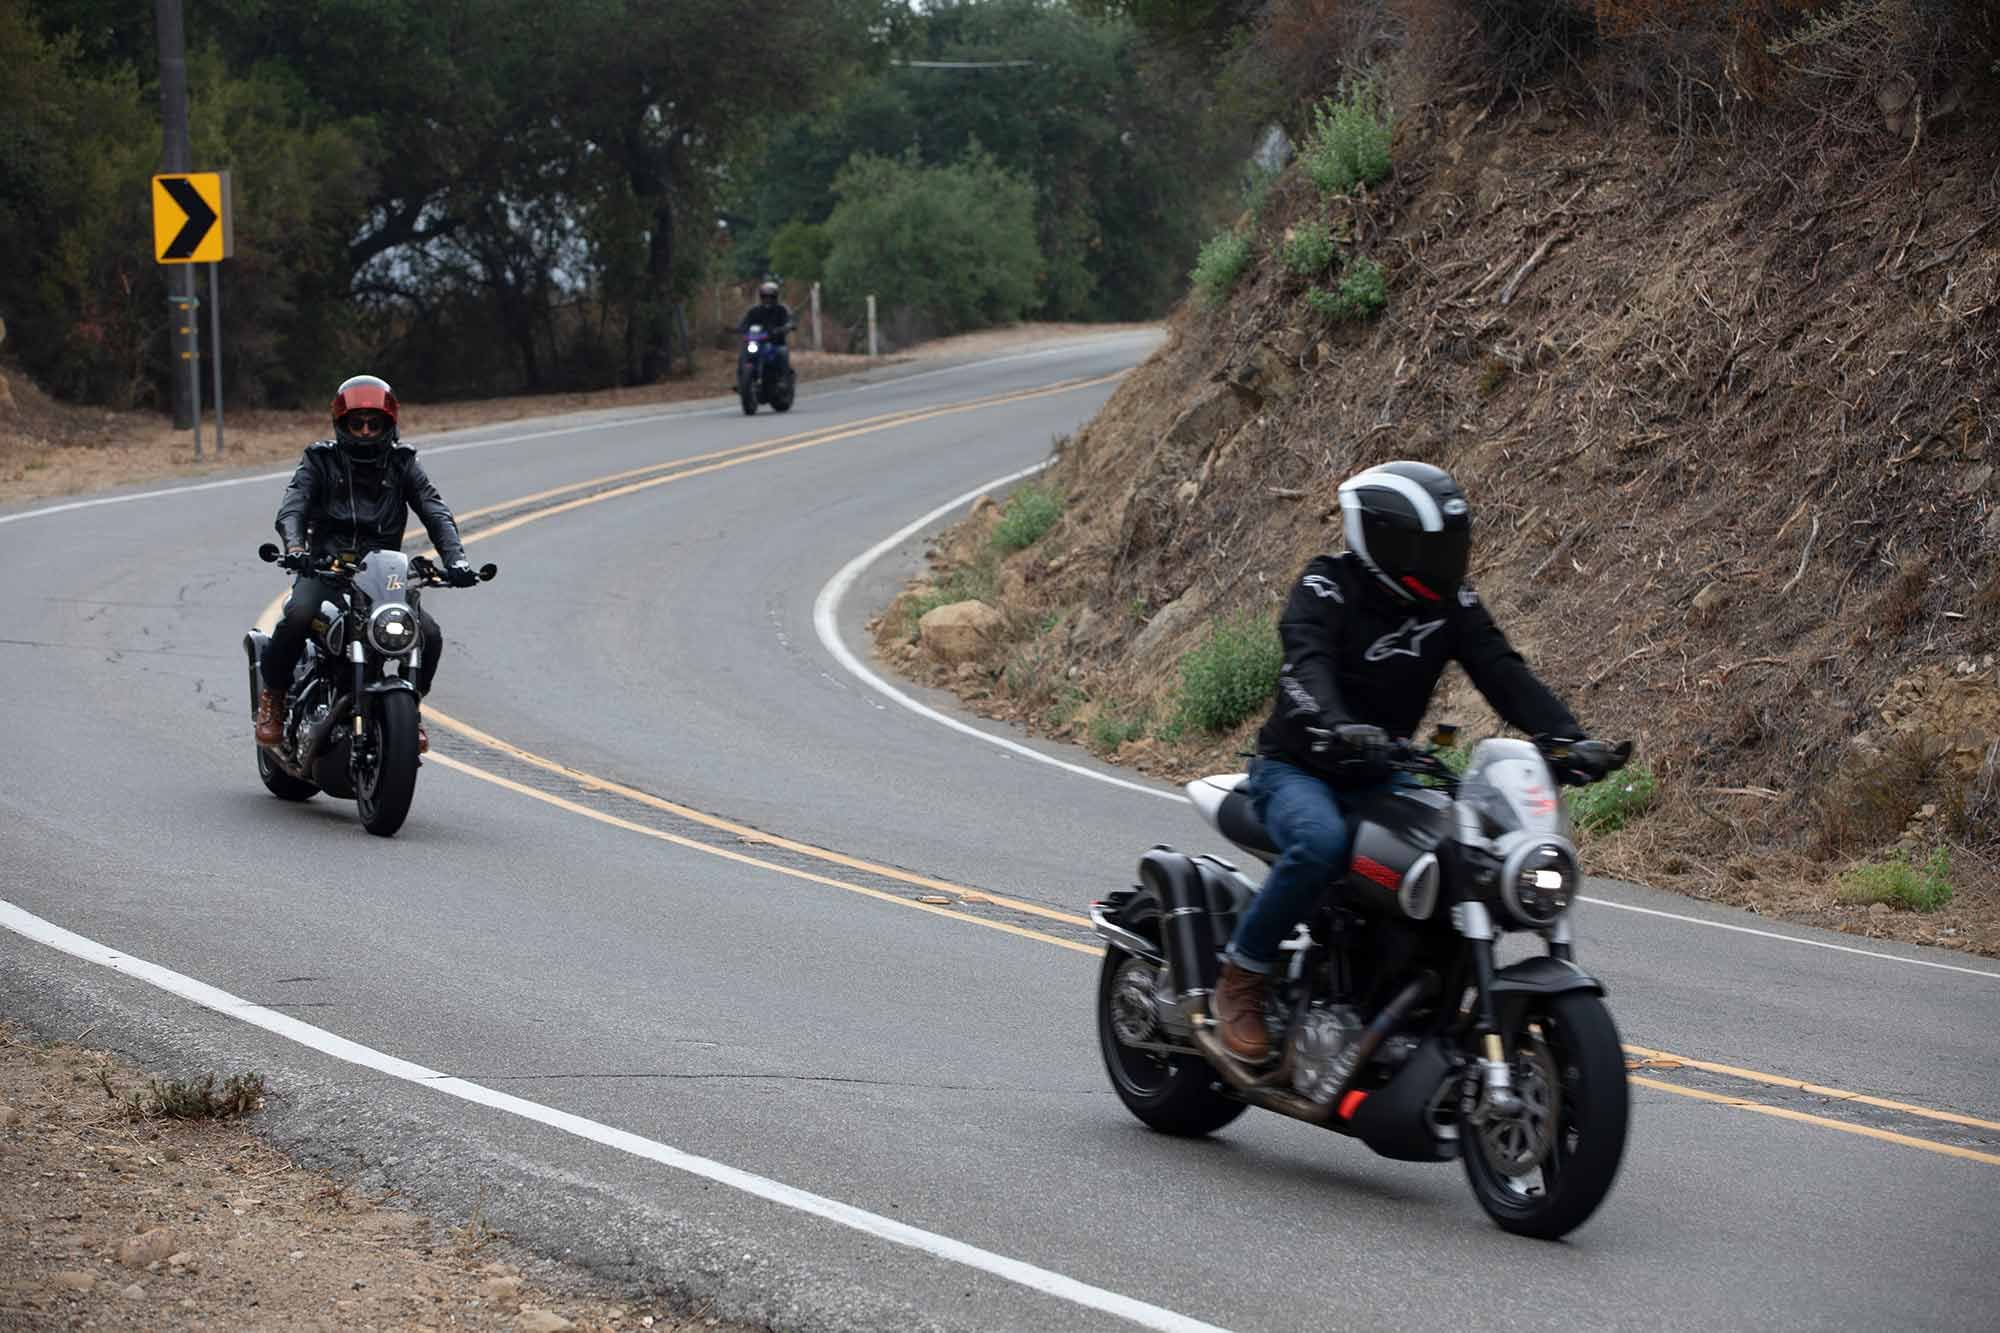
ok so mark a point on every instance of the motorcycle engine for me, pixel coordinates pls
(1317, 1041)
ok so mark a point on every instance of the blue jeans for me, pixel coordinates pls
(1308, 821)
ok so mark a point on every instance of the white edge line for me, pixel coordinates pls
(826, 609)
(827, 606)
(291, 1029)
(224, 483)
(1791, 939)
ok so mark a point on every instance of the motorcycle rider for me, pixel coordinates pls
(775, 316)
(351, 495)
(1366, 635)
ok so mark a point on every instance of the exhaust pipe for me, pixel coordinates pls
(1185, 928)
(1349, 1064)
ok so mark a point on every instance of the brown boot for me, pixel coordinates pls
(423, 739)
(270, 719)
(1239, 1008)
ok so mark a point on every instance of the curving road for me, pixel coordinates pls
(650, 978)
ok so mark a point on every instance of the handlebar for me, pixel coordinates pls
(1575, 763)
(423, 568)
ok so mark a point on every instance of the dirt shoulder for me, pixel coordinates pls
(50, 448)
(117, 1216)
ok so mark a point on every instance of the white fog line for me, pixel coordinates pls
(826, 610)
(1791, 939)
(433, 451)
(319, 1039)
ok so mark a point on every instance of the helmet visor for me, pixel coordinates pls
(1430, 565)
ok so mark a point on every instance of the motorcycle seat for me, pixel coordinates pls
(1239, 823)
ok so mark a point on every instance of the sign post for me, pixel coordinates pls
(194, 223)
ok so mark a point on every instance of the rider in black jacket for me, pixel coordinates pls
(1366, 635)
(775, 316)
(352, 495)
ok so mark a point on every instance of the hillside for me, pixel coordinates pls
(1726, 411)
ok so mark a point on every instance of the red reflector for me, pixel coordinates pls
(1352, 1103)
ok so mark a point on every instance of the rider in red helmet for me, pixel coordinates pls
(352, 495)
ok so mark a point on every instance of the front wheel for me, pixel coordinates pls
(1545, 1171)
(781, 397)
(280, 783)
(385, 778)
(1174, 1094)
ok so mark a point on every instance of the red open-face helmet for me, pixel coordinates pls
(361, 392)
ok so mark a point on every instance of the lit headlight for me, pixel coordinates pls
(753, 349)
(1538, 882)
(393, 630)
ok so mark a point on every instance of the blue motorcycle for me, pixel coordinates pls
(764, 373)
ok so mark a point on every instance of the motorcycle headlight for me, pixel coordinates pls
(393, 630)
(753, 349)
(1538, 882)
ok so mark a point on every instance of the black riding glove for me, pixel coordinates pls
(1582, 761)
(297, 560)
(460, 574)
(1352, 751)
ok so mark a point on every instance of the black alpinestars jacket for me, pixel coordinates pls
(1355, 654)
(337, 505)
(776, 319)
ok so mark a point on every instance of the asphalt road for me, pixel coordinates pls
(705, 937)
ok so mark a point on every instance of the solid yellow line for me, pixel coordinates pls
(609, 787)
(1815, 1089)
(741, 859)
(1786, 1113)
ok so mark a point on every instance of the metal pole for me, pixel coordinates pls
(871, 324)
(193, 355)
(818, 346)
(174, 157)
(215, 345)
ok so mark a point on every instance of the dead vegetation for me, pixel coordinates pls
(1723, 398)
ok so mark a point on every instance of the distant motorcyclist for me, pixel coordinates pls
(775, 317)
(1366, 634)
(352, 495)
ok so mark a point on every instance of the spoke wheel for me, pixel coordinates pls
(1544, 1171)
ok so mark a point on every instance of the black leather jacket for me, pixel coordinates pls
(1356, 653)
(337, 505)
(776, 319)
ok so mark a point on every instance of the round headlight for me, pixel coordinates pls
(393, 630)
(1538, 882)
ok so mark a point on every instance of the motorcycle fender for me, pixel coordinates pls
(254, 644)
(390, 685)
(1543, 976)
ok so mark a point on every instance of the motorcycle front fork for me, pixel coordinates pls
(1497, 1097)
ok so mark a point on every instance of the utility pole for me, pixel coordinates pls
(184, 336)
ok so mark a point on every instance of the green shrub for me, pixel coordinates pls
(1900, 883)
(1030, 512)
(1220, 263)
(976, 582)
(1349, 143)
(1231, 675)
(1257, 183)
(1607, 806)
(1362, 292)
(1111, 729)
(1309, 249)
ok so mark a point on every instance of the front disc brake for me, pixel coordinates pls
(1518, 1143)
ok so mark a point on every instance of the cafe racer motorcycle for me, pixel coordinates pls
(1390, 1019)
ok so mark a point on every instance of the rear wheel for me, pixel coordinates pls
(1545, 1171)
(385, 778)
(1173, 1093)
(280, 783)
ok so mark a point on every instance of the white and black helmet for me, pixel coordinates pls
(767, 292)
(1410, 525)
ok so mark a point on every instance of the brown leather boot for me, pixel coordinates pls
(1239, 1008)
(270, 718)
(423, 739)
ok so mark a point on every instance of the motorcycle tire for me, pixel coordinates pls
(280, 783)
(749, 397)
(1594, 1108)
(1178, 1095)
(781, 401)
(386, 781)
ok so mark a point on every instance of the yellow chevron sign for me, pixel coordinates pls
(191, 218)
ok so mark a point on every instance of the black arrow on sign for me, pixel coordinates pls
(200, 217)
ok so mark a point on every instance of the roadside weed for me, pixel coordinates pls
(1900, 883)
(1230, 675)
(1030, 512)
(1349, 142)
(1607, 806)
(1220, 263)
(1309, 249)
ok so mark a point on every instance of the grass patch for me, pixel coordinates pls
(1901, 883)
(1362, 292)
(1231, 675)
(1349, 142)
(193, 1099)
(1309, 249)
(1111, 729)
(1030, 512)
(1221, 262)
(976, 582)
(1607, 806)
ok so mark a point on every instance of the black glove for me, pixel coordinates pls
(1352, 751)
(460, 574)
(1581, 761)
(296, 560)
